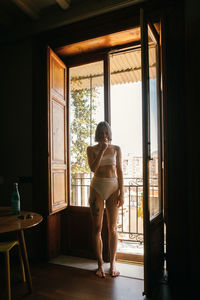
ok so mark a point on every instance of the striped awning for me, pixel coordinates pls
(125, 67)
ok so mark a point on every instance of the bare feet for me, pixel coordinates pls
(100, 272)
(114, 272)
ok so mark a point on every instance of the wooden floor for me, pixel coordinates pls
(60, 282)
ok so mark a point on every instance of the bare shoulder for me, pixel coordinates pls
(91, 149)
(117, 148)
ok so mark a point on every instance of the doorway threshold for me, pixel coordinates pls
(126, 269)
(130, 252)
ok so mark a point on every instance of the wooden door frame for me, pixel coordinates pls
(121, 20)
(153, 226)
(105, 56)
(145, 134)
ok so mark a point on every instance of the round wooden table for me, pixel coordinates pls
(18, 223)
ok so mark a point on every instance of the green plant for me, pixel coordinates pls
(82, 127)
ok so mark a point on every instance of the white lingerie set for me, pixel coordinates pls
(106, 186)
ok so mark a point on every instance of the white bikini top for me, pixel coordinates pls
(108, 159)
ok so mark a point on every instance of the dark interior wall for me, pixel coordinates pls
(192, 19)
(183, 189)
(176, 159)
(16, 120)
(16, 151)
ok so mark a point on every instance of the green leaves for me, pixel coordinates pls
(82, 127)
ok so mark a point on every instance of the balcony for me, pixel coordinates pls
(130, 220)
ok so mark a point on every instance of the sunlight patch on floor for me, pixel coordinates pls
(126, 269)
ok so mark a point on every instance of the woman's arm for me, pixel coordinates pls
(120, 177)
(93, 161)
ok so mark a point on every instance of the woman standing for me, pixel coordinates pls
(104, 160)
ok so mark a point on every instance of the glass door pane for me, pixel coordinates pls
(86, 111)
(154, 149)
(126, 123)
(153, 218)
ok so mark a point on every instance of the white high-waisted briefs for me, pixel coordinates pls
(105, 187)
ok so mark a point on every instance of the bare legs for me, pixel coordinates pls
(97, 210)
(112, 214)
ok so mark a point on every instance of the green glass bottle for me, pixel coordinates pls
(15, 200)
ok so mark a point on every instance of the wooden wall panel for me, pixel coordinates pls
(54, 235)
(77, 233)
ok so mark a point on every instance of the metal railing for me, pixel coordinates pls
(130, 220)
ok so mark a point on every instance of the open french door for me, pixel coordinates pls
(152, 160)
(57, 133)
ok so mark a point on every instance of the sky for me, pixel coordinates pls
(126, 116)
(126, 109)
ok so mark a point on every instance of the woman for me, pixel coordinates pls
(104, 160)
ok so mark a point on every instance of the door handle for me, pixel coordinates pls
(149, 151)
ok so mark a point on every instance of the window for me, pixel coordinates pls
(86, 111)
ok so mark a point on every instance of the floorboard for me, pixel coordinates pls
(60, 282)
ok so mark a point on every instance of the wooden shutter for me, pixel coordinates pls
(57, 129)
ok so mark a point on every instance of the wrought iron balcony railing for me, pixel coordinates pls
(130, 220)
